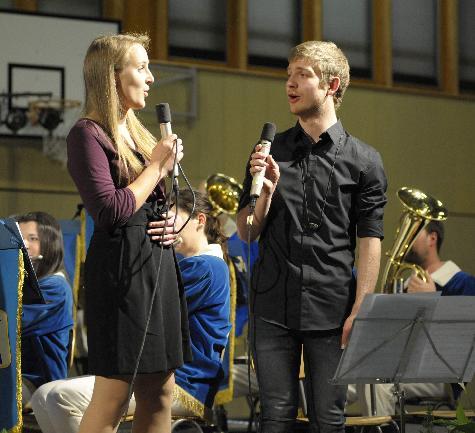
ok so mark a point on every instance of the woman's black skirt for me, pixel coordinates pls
(120, 275)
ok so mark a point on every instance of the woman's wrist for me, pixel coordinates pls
(159, 168)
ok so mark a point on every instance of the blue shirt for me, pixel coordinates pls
(45, 332)
(460, 284)
(206, 281)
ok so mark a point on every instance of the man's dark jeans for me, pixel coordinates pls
(277, 352)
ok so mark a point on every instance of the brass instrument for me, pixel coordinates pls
(223, 192)
(420, 208)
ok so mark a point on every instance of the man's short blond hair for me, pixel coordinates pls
(329, 60)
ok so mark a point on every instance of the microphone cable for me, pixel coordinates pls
(251, 322)
(251, 336)
(177, 191)
(157, 279)
(266, 139)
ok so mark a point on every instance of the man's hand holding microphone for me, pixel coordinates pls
(264, 171)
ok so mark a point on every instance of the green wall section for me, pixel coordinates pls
(425, 142)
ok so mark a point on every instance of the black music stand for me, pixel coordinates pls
(11, 238)
(410, 338)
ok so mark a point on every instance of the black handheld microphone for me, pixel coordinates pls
(267, 137)
(165, 118)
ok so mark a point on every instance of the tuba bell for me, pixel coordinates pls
(223, 192)
(419, 209)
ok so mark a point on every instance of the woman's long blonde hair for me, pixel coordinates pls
(105, 58)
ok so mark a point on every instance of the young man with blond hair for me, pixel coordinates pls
(322, 189)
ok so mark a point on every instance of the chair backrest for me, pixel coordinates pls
(225, 393)
(76, 236)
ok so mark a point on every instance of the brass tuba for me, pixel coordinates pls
(420, 208)
(223, 192)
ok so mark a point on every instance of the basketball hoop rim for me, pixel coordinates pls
(58, 104)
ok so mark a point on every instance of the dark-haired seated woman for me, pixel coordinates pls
(45, 327)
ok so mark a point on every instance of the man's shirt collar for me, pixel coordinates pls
(332, 134)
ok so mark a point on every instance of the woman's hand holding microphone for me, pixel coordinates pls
(163, 155)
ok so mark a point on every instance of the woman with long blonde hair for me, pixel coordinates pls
(119, 169)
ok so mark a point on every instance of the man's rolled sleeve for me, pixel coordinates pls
(371, 200)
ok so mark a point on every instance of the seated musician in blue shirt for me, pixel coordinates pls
(59, 406)
(444, 276)
(206, 280)
(45, 327)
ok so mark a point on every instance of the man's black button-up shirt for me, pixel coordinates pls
(328, 193)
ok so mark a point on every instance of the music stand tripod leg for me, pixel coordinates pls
(401, 398)
(372, 394)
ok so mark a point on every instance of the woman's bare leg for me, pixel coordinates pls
(153, 398)
(107, 404)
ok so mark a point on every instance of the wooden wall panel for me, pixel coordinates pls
(382, 43)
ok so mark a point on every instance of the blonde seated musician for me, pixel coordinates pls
(59, 406)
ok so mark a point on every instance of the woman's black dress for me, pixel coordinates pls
(121, 271)
(122, 265)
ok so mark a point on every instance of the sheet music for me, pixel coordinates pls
(11, 238)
